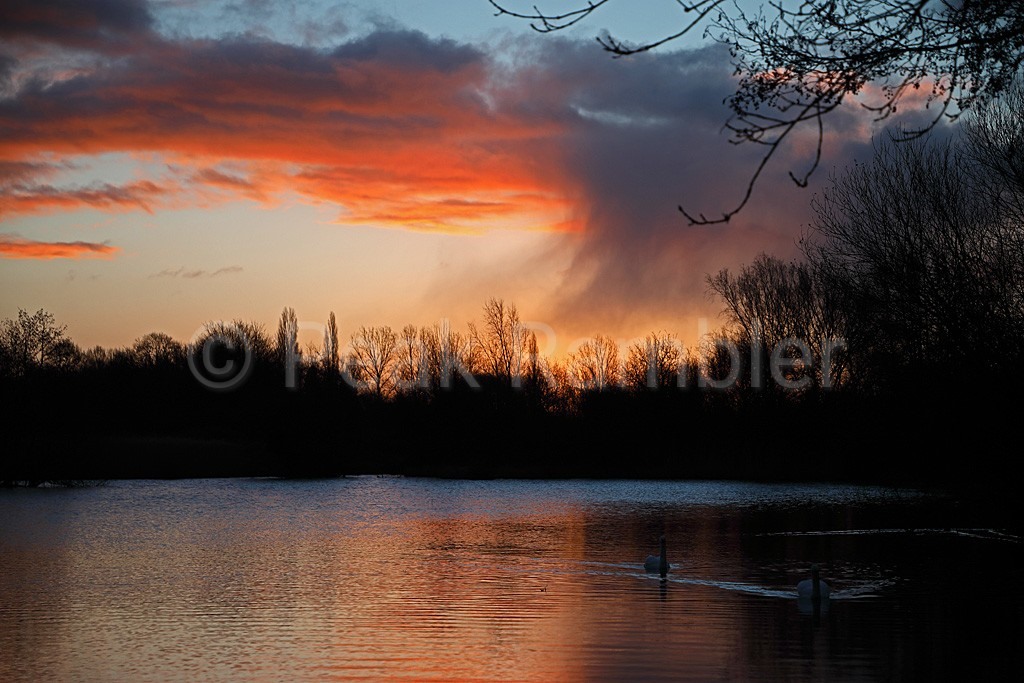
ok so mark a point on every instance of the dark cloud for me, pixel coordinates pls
(409, 49)
(101, 25)
(650, 136)
(7, 65)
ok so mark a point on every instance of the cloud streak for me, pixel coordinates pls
(143, 194)
(195, 274)
(15, 247)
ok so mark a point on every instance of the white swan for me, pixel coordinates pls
(813, 588)
(658, 563)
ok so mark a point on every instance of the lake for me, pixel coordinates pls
(388, 578)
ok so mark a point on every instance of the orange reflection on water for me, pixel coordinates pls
(428, 580)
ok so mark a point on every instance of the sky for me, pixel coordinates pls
(165, 163)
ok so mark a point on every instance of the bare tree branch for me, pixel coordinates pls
(798, 62)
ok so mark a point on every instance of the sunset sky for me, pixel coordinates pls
(170, 162)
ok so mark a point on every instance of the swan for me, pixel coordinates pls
(813, 588)
(658, 563)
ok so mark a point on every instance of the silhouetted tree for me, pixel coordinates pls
(538, 381)
(595, 364)
(995, 146)
(501, 342)
(449, 356)
(289, 355)
(374, 358)
(255, 333)
(412, 371)
(95, 358)
(929, 267)
(331, 355)
(65, 355)
(654, 362)
(785, 308)
(313, 356)
(158, 348)
(288, 335)
(241, 346)
(797, 62)
(31, 340)
(721, 363)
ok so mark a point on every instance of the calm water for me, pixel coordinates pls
(382, 578)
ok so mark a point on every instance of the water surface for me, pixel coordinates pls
(388, 578)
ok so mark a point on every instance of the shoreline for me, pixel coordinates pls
(175, 456)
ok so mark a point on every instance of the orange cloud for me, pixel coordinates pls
(396, 129)
(14, 247)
